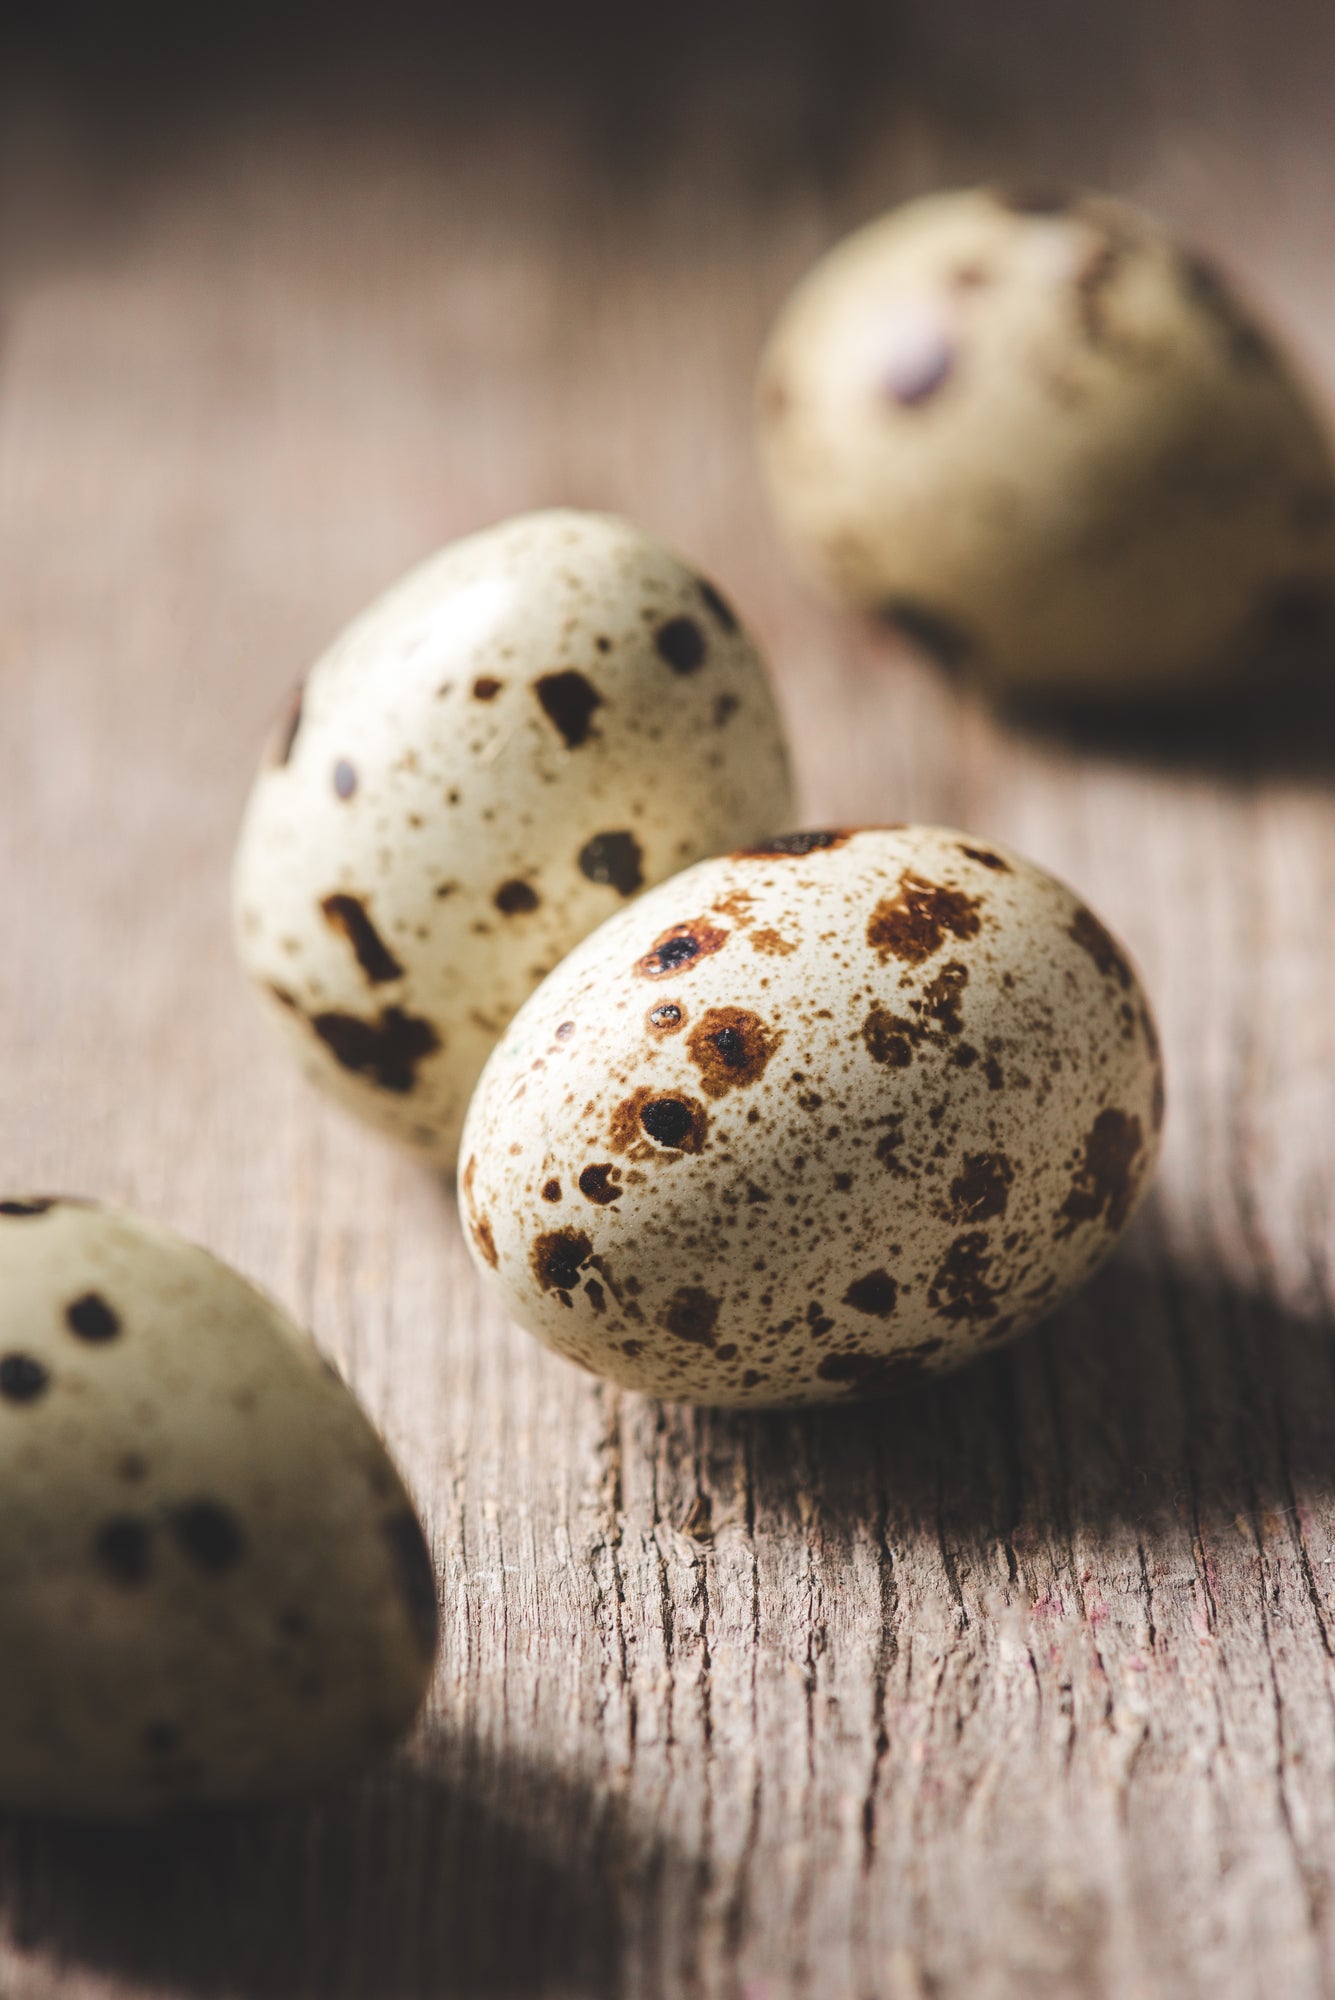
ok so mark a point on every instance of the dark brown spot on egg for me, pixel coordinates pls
(209, 1534)
(877, 1294)
(123, 1550)
(681, 949)
(941, 998)
(348, 915)
(515, 898)
(868, 1375)
(792, 846)
(692, 1314)
(669, 1119)
(730, 1046)
(941, 637)
(1086, 931)
(771, 944)
(961, 1289)
(480, 1230)
(971, 276)
(888, 1037)
(415, 1575)
(916, 921)
(557, 1258)
(665, 1019)
(682, 644)
(37, 1204)
(551, 1190)
(568, 700)
(23, 1379)
(92, 1319)
(386, 1051)
(717, 604)
(597, 1184)
(985, 858)
(981, 1188)
(889, 1144)
(1104, 1183)
(614, 859)
(486, 688)
(345, 778)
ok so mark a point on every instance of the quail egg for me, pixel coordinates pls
(1053, 446)
(524, 733)
(813, 1120)
(213, 1585)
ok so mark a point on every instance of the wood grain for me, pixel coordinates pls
(1022, 1688)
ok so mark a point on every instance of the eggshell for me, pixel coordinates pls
(815, 1119)
(213, 1585)
(1053, 446)
(504, 749)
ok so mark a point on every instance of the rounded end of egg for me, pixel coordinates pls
(214, 1586)
(1052, 447)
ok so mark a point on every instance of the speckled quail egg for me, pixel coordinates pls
(1050, 444)
(213, 1585)
(814, 1119)
(520, 736)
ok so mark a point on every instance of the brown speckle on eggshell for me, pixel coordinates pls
(185, 1488)
(924, 1124)
(1048, 444)
(520, 733)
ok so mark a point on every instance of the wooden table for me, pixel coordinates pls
(1024, 1689)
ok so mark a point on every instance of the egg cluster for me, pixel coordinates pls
(742, 1115)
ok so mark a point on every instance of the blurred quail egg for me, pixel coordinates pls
(515, 740)
(213, 1585)
(814, 1119)
(1050, 444)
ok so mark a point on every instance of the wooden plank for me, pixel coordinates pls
(1024, 1688)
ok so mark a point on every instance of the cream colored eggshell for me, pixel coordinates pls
(524, 731)
(808, 1121)
(1052, 445)
(213, 1585)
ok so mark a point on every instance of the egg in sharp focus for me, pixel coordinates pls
(1053, 446)
(512, 743)
(814, 1120)
(213, 1584)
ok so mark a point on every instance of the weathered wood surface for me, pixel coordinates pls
(1023, 1689)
